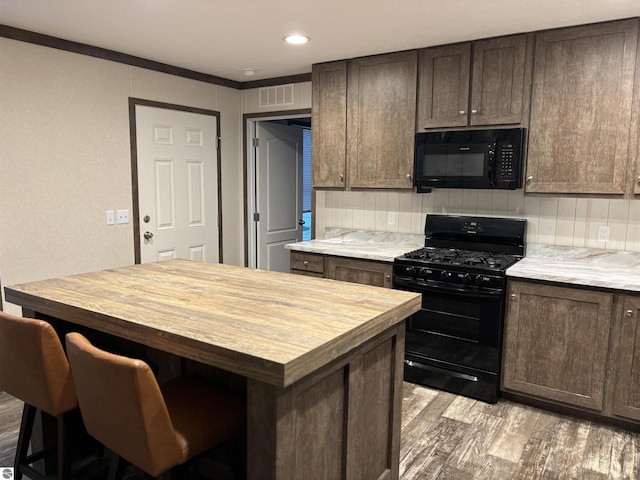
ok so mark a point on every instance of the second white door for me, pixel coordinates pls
(279, 193)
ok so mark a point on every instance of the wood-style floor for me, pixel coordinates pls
(448, 437)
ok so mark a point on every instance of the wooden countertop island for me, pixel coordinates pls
(323, 359)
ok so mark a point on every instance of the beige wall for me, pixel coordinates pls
(65, 159)
(550, 220)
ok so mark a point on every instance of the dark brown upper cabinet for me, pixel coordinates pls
(581, 109)
(469, 84)
(329, 113)
(381, 106)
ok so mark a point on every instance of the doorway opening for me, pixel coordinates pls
(278, 196)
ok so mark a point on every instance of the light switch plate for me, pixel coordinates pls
(123, 216)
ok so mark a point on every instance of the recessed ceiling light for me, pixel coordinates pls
(296, 39)
(249, 72)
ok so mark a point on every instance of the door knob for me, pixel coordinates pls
(301, 222)
(148, 235)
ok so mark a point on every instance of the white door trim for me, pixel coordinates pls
(249, 130)
(135, 217)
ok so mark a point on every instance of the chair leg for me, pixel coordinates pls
(64, 458)
(116, 467)
(24, 437)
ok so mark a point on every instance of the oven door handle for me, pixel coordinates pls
(432, 286)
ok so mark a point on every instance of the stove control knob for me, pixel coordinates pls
(478, 280)
(422, 273)
(444, 275)
(466, 278)
(411, 271)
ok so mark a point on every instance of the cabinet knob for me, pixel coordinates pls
(387, 278)
(306, 263)
(408, 176)
(514, 296)
(463, 112)
(529, 179)
(342, 177)
(629, 313)
(473, 112)
(638, 179)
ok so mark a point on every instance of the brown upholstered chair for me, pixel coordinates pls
(154, 427)
(34, 369)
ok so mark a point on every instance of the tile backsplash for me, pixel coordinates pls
(550, 220)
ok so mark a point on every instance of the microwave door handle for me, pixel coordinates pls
(491, 172)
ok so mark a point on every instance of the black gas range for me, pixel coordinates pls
(454, 342)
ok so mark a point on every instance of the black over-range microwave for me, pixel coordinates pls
(469, 159)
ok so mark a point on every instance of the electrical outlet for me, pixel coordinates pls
(111, 217)
(603, 233)
(391, 218)
(123, 216)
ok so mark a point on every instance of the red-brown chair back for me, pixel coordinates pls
(122, 406)
(33, 365)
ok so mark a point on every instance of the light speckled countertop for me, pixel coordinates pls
(364, 244)
(614, 269)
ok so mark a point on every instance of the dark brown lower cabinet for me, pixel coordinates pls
(625, 359)
(556, 343)
(368, 272)
(574, 347)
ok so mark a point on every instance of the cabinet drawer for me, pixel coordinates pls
(307, 262)
(377, 274)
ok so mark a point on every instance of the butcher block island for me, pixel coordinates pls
(323, 359)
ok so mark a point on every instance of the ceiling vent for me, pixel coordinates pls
(277, 96)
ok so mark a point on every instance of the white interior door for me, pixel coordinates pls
(279, 193)
(177, 184)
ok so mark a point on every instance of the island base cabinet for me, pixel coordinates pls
(556, 344)
(339, 423)
(625, 361)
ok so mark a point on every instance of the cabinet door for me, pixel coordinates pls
(443, 97)
(556, 343)
(381, 102)
(329, 123)
(581, 109)
(497, 85)
(625, 359)
(373, 273)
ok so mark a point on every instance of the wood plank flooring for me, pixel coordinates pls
(448, 437)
